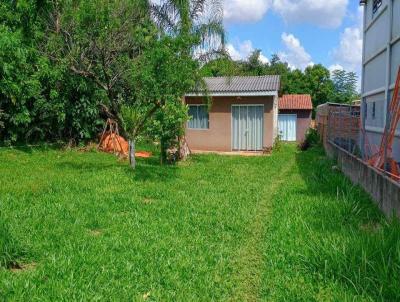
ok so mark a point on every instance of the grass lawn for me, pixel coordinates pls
(288, 227)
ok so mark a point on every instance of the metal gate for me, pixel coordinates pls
(287, 127)
(247, 127)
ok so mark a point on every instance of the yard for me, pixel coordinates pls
(84, 226)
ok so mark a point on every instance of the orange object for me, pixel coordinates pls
(112, 142)
(379, 159)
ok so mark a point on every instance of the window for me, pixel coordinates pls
(199, 118)
(366, 110)
(373, 110)
(377, 4)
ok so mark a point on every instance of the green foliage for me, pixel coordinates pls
(66, 65)
(40, 99)
(315, 80)
(345, 84)
(312, 139)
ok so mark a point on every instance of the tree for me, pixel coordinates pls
(253, 65)
(318, 84)
(345, 85)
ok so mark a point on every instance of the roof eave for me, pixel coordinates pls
(249, 93)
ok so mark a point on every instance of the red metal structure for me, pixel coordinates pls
(383, 159)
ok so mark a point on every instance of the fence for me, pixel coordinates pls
(343, 137)
(340, 125)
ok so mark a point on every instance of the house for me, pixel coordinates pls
(294, 119)
(381, 60)
(243, 114)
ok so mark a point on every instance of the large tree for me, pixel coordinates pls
(139, 54)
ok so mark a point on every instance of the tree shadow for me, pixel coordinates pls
(150, 170)
(84, 166)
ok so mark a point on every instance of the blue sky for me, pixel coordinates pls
(302, 32)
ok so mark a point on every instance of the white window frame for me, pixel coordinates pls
(208, 117)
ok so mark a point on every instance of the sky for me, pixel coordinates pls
(301, 32)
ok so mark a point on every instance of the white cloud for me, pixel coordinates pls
(245, 10)
(348, 54)
(295, 54)
(243, 50)
(334, 67)
(324, 13)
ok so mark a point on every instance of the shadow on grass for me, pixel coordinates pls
(348, 238)
(150, 170)
(11, 254)
(85, 166)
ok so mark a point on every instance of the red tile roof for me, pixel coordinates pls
(295, 101)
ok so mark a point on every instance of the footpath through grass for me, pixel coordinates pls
(83, 226)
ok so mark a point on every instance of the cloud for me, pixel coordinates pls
(349, 51)
(295, 54)
(328, 14)
(243, 50)
(348, 54)
(245, 10)
(334, 67)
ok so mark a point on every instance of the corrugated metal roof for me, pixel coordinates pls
(243, 84)
(295, 101)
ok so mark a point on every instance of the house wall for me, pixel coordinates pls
(219, 135)
(303, 122)
(381, 60)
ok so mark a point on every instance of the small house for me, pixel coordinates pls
(294, 119)
(243, 114)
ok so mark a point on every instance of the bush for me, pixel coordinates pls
(312, 139)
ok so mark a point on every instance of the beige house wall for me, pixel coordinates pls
(219, 135)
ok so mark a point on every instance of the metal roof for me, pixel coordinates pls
(247, 85)
(295, 101)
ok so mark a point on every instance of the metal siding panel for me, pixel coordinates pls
(395, 63)
(243, 128)
(288, 127)
(377, 35)
(235, 125)
(396, 19)
(375, 73)
(247, 128)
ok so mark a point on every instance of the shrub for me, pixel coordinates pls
(312, 139)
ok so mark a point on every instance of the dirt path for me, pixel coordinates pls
(249, 261)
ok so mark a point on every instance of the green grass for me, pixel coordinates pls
(84, 226)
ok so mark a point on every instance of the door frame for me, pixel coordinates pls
(288, 114)
(263, 123)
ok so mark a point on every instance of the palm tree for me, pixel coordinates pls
(195, 18)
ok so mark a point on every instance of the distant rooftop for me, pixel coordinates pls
(242, 86)
(295, 101)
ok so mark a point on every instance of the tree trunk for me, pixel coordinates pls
(184, 150)
(132, 159)
(163, 155)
